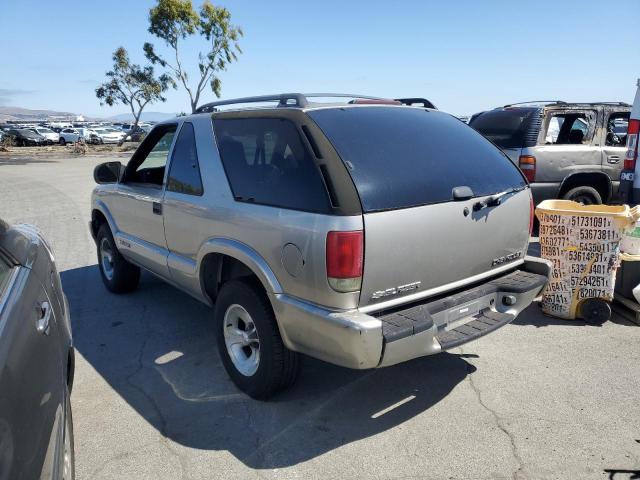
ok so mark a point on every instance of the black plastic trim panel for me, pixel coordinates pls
(484, 322)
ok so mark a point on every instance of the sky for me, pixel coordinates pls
(464, 56)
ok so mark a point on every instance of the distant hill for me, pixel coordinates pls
(146, 117)
(17, 113)
(27, 115)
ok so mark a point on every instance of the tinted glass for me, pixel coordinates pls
(184, 173)
(266, 162)
(401, 157)
(505, 128)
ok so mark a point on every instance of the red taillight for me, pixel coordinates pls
(527, 164)
(532, 216)
(632, 145)
(345, 257)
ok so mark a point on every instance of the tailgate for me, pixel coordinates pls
(422, 250)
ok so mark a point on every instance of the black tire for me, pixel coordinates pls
(585, 195)
(595, 311)
(68, 449)
(62, 141)
(278, 366)
(122, 277)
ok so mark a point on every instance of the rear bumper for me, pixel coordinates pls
(357, 340)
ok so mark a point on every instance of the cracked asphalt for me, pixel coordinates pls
(538, 399)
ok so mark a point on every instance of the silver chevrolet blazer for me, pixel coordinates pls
(362, 232)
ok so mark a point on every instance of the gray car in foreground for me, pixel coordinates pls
(361, 233)
(36, 361)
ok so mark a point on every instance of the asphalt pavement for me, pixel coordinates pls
(539, 399)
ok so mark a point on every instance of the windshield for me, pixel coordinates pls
(400, 157)
(44, 130)
(506, 128)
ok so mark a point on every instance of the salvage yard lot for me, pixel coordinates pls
(540, 398)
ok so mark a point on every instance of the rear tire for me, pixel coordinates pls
(585, 195)
(249, 341)
(118, 275)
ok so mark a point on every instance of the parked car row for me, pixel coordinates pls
(35, 136)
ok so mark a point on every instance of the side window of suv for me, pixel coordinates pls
(184, 172)
(266, 162)
(569, 128)
(148, 163)
(617, 126)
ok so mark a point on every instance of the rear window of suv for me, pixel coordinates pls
(266, 162)
(510, 127)
(400, 157)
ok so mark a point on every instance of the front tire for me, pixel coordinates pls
(118, 275)
(62, 141)
(585, 195)
(249, 341)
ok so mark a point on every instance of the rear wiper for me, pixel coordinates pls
(495, 200)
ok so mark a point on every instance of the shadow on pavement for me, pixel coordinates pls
(156, 349)
(533, 316)
(23, 160)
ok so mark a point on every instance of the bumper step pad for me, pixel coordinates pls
(485, 322)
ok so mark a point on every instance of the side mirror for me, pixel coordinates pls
(108, 172)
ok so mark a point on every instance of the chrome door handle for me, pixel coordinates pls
(44, 316)
(613, 158)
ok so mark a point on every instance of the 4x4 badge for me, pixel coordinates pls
(396, 290)
(505, 259)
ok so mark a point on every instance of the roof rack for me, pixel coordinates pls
(621, 104)
(561, 102)
(413, 101)
(299, 100)
(534, 102)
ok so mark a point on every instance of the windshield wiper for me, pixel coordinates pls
(495, 200)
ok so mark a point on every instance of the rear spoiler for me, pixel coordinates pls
(416, 101)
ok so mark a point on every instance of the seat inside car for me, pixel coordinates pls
(576, 137)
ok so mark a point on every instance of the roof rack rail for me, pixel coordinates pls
(533, 102)
(299, 100)
(413, 101)
(622, 104)
(282, 99)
